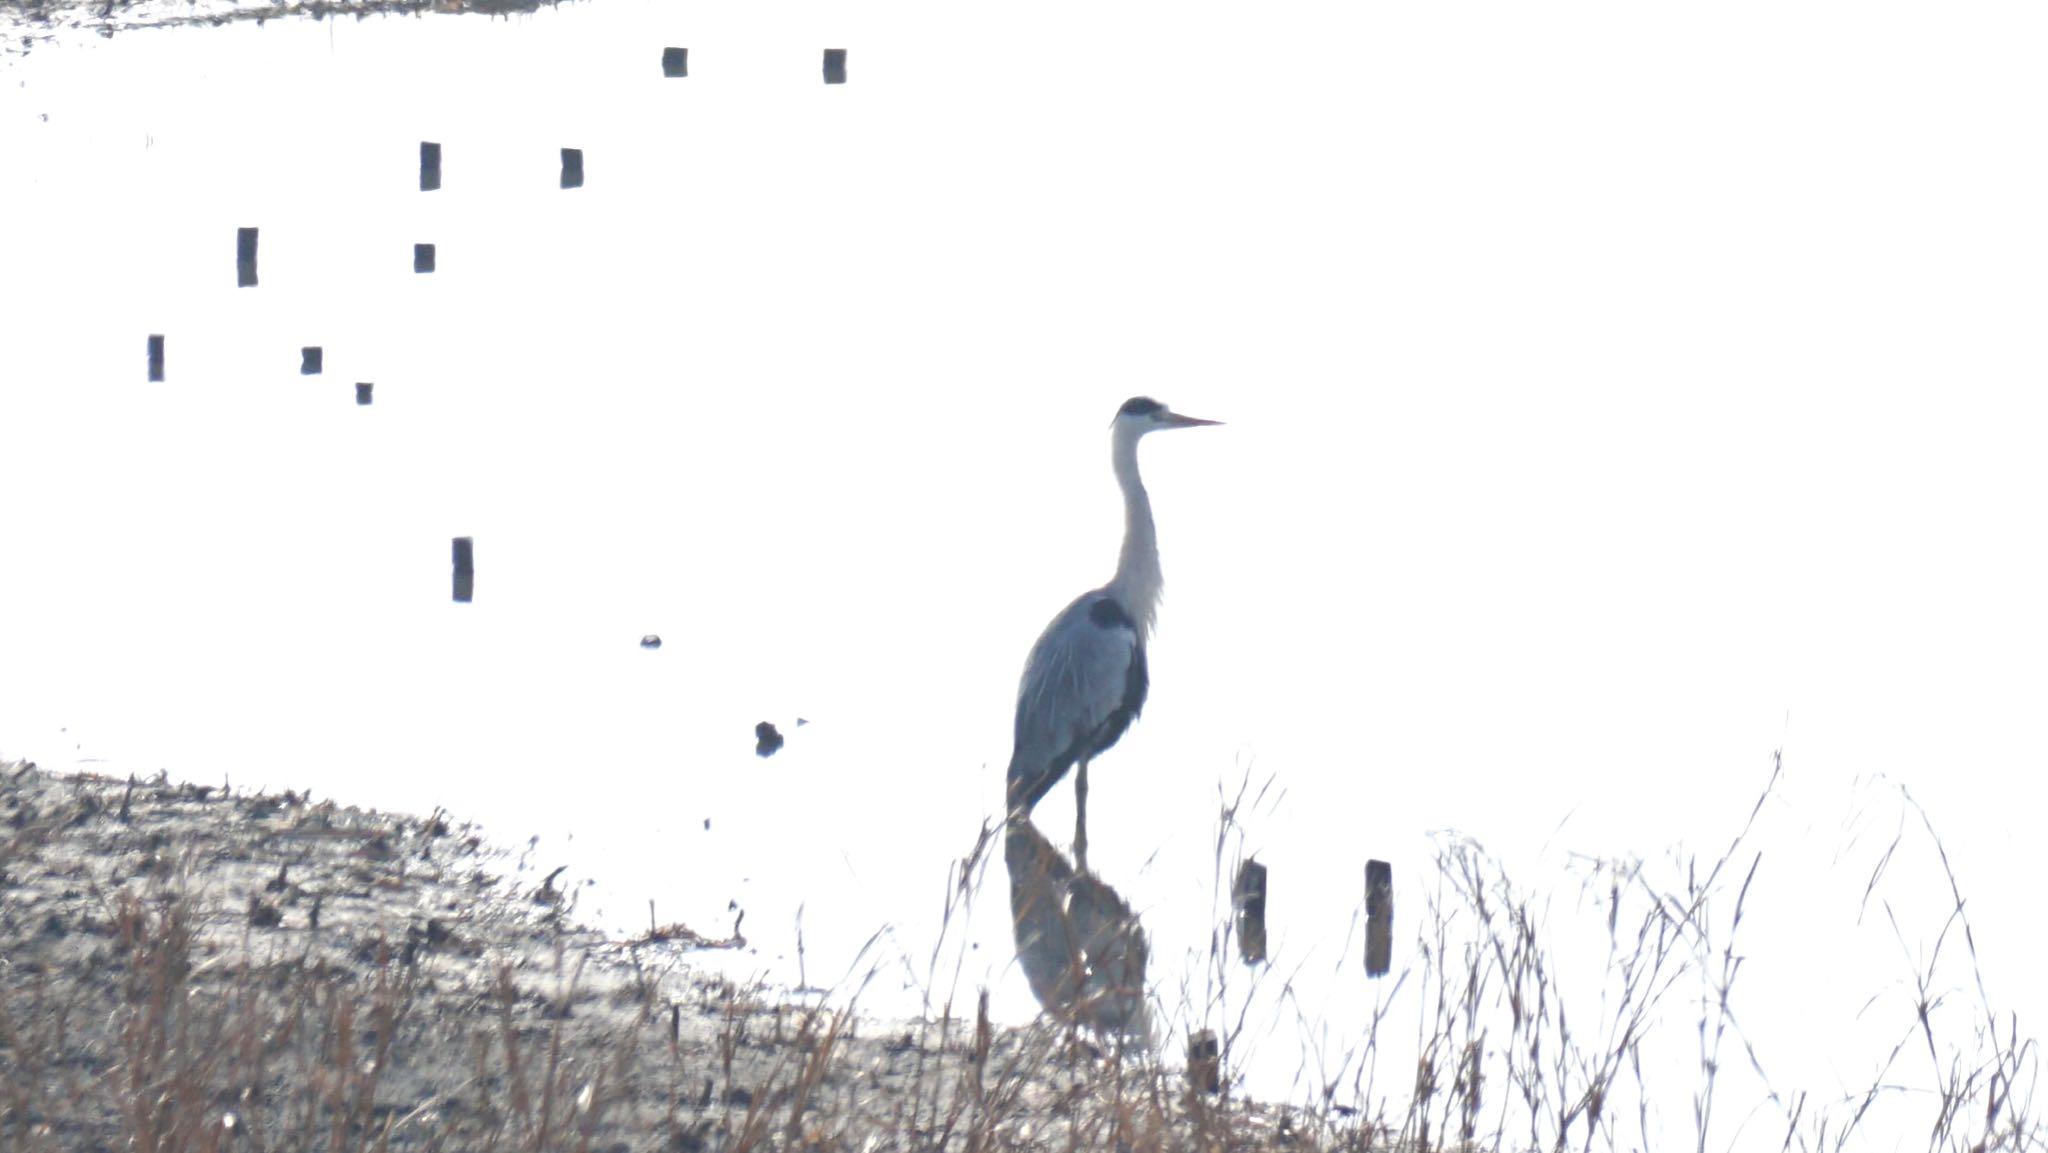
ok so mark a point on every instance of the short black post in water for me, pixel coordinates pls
(423, 258)
(309, 360)
(156, 357)
(675, 62)
(430, 166)
(1205, 1067)
(1249, 895)
(363, 391)
(572, 168)
(835, 65)
(465, 569)
(1379, 918)
(245, 258)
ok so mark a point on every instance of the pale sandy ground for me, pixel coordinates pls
(26, 23)
(193, 967)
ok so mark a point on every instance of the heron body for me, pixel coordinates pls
(1086, 678)
(1084, 684)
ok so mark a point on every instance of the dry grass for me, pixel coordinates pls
(190, 969)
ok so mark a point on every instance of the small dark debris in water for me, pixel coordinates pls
(309, 360)
(363, 388)
(263, 914)
(572, 168)
(675, 62)
(433, 936)
(835, 65)
(739, 1095)
(766, 740)
(430, 166)
(423, 258)
(707, 824)
(650, 641)
(800, 722)
(156, 358)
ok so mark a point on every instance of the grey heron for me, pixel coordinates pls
(1085, 679)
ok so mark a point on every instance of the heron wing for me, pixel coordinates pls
(1083, 684)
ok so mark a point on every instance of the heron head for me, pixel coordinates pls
(1142, 414)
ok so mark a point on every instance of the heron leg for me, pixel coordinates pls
(1081, 817)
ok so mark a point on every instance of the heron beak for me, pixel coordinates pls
(1176, 420)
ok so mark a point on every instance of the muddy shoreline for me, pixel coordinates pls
(25, 24)
(195, 967)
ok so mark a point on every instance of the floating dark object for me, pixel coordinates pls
(766, 740)
(309, 360)
(430, 166)
(1379, 918)
(263, 914)
(156, 357)
(423, 258)
(465, 568)
(835, 65)
(1205, 1067)
(572, 168)
(245, 257)
(675, 62)
(363, 391)
(1249, 896)
(650, 641)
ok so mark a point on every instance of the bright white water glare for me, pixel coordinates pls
(1614, 396)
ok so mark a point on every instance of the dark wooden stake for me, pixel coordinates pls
(1249, 896)
(309, 360)
(572, 168)
(1379, 918)
(245, 258)
(465, 568)
(835, 65)
(675, 62)
(1205, 1067)
(423, 258)
(363, 391)
(156, 357)
(430, 166)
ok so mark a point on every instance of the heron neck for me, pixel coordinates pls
(1138, 579)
